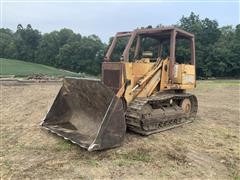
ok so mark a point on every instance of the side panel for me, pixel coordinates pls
(178, 68)
(139, 70)
(188, 74)
(184, 74)
(135, 71)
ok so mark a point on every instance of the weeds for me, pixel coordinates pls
(124, 162)
(237, 177)
(92, 162)
(64, 146)
(135, 155)
(138, 155)
(231, 164)
(177, 153)
(7, 164)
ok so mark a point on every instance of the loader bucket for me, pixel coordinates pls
(88, 113)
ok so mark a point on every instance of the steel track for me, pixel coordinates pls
(159, 113)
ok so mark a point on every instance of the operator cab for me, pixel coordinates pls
(147, 46)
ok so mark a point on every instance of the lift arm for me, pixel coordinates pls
(149, 81)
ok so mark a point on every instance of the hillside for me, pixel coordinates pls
(22, 68)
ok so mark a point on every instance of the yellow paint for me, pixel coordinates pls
(164, 77)
(184, 74)
(154, 80)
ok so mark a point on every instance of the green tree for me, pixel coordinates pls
(7, 44)
(48, 49)
(206, 33)
(217, 49)
(235, 57)
(82, 56)
(50, 44)
(26, 40)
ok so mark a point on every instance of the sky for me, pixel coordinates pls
(106, 18)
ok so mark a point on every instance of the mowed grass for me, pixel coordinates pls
(22, 68)
(218, 83)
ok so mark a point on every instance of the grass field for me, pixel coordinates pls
(22, 68)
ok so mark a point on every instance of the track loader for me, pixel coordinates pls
(143, 89)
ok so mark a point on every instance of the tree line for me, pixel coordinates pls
(62, 49)
(217, 48)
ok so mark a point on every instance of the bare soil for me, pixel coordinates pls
(207, 148)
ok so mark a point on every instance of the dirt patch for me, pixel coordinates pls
(207, 148)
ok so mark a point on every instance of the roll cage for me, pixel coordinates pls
(159, 34)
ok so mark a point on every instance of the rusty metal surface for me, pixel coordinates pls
(162, 33)
(112, 75)
(114, 42)
(111, 79)
(172, 55)
(87, 113)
